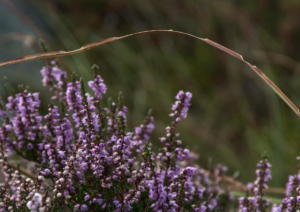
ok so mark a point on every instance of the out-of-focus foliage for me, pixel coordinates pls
(235, 117)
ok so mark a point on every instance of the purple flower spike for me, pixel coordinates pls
(181, 106)
(255, 201)
(189, 171)
(98, 86)
(55, 79)
(53, 75)
(74, 98)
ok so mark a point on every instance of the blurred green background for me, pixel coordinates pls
(235, 118)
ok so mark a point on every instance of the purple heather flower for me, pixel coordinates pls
(292, 185)
(53, 74)
(263, 176)
(277, 208)
(25, 120)
(189, 171)
(182, 154)
(87, 197)
(35, 204)
(98, 86)
(54, 78)
(74, 98)
(84, 207)
(98, 201)
(181, 105)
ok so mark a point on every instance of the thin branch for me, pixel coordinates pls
(222, 48)
(22, 171)
(237, 185)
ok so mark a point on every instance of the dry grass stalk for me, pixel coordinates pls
(230, 52)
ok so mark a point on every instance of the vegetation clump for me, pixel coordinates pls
(86, 159)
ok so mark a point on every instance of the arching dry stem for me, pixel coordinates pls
(222, 48)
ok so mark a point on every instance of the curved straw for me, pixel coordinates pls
(232, 53)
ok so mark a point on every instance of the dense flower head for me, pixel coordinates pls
(84, 157)
(23, 121)
(52, 74)
(98, 86)
(263, 176)
(181, 106)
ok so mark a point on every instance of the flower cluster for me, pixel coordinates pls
(84, 157)
(254, 200)
(181, 106)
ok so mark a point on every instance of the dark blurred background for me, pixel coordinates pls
(235, 118)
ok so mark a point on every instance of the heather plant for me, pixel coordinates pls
(85, 158)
